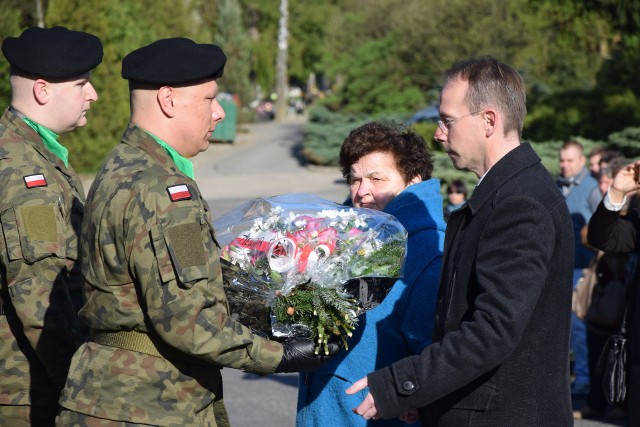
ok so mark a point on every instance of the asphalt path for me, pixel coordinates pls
(263, 161)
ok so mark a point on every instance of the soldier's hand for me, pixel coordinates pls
(299, 356)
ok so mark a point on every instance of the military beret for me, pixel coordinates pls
(173, 61)
(55, 52)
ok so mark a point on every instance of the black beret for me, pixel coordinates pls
(55, 52)
(173, 61)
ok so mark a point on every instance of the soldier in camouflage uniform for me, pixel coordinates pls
(41, 210)
(161, 330)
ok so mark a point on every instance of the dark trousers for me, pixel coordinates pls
(595, 398)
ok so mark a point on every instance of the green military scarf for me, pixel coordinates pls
(185, 165)
(50, 139)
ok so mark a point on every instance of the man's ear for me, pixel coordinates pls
(165, 98)
(42, 91)
(490, 118)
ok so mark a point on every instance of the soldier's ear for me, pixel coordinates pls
(166, 100)
(41, 91)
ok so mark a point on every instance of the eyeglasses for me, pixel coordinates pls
(445, 125)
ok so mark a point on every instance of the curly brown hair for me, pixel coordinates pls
(409, 149)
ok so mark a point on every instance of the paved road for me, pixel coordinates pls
(264, 161)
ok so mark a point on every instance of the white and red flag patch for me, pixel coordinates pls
(179, 192)
(36, 180)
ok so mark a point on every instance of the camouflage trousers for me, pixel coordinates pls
(26, 416)
(210, 417)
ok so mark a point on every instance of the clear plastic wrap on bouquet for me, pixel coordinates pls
(286, 261)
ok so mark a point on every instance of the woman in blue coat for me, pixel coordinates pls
(388, 169)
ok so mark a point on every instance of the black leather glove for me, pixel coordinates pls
(299, 355)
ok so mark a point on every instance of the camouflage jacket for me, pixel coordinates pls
(41, 210)
(150, 263)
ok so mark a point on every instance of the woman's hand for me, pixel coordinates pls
(367, 408)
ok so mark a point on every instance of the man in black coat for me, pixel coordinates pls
(500, 352)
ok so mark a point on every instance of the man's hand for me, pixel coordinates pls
(367, 408)
(299, 356)
(624, 182)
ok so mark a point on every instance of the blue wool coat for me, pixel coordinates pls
(399, 327)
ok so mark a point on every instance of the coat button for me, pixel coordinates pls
(408, 386)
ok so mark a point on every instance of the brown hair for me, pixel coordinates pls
(492, 83)
(572, 143)
(458, 186)
(409, 149)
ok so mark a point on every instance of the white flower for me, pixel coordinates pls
(360, 222)
(240, 256)
(299, 222)
(328, 213)
(258, 225)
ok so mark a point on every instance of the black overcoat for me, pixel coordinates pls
(500, 355)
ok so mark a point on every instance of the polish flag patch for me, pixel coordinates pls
(34, 181)
(179, 192)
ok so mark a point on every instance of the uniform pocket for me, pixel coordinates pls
(41, 234)
(180, 253)
(163, 259)
(33, 233)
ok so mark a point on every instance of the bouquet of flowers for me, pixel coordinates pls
(293, 265)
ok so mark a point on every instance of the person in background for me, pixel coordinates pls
(609, 231)
(387, 168)
(500, 347)
(611, 157)
(594, 160)
(581, 192)
(610, 270)
(160, 327)
(41, 209)
(456, 197)
(608, 172)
